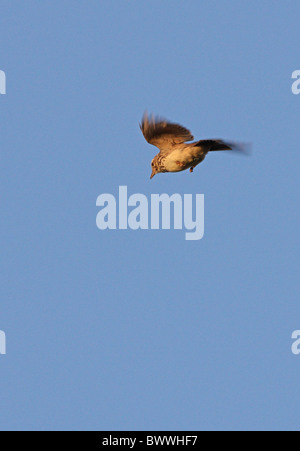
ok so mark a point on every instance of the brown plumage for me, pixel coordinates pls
(176, 154)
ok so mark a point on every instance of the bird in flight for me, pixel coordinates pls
(176, 154)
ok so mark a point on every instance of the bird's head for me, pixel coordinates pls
(155, 167)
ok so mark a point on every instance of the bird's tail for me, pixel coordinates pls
(214, 145)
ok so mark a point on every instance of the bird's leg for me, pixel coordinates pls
(180, 164)
(192, 169)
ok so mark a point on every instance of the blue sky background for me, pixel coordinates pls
(142, 330)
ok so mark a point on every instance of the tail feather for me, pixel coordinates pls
(219, 146)
(214, 145)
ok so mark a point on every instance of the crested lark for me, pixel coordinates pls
(175, 153)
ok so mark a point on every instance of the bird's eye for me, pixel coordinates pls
(152, 164)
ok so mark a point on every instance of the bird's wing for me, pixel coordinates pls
(163, 134)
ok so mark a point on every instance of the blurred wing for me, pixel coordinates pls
(163, 134)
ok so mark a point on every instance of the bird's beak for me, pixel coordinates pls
(152, 175)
